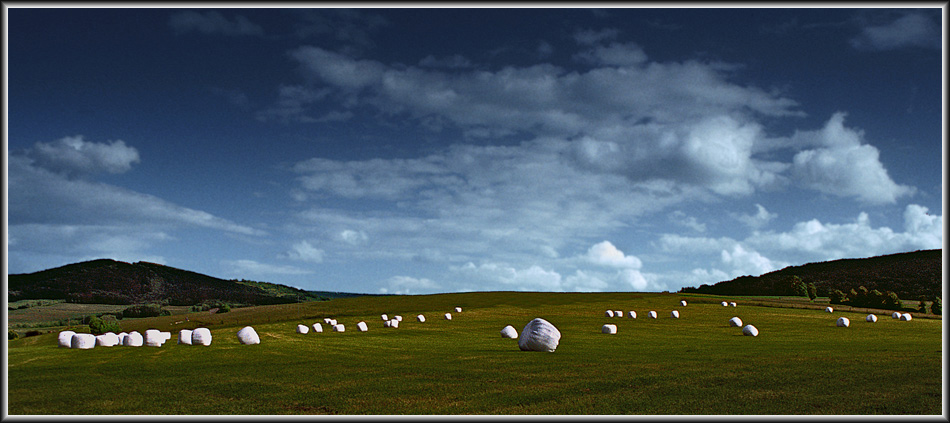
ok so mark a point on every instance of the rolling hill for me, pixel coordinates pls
(909, 275)
(106, 281)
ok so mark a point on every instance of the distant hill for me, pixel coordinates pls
(108, 281)
(909, 275)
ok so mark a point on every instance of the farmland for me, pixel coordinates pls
(800, 363)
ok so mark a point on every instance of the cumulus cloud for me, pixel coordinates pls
(761, 218)
(747, 262)
(350, 236)
(212, 22)
(843, 165)
(303, 251)
(532, 278)
(606, 254)
(74, 155)
(910, 30)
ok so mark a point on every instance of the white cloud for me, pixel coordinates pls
(606, 254)
(910, 30)
(212, 22)
(844, 166)
(74, 155)
(744, 262)
(532, 278)
(350, 236)
(761, 218)
(303, 251)
(406, 285)
(591, 36)
(241, 268)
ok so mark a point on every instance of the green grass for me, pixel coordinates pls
(801, 363)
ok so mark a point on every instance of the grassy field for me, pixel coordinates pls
(800, 363)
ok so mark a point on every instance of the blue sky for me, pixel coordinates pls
(419, 151)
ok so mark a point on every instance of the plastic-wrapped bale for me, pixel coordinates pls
(871, 318)
(539, 335)
(735, 322)
(421, 318)
(683, 303)
(122, 336)
(339, 328)
(154, 338)
(333, 322)
(134, 339)
(725, 304)
(394, 323)
(829, 309)
(843, 322)
(66, 338)
(317, 328)
(750, 330)
(632, 314)
(248, 336)
(448, 316)
(733, 303)
(388, 324)
(509, 332)
(651, 314)
(302, 329)
(326, 320)
(362, 326)
(399, 318)
(458, 309)
(895, 315)
(609, 313)
(166, 336)
(609, 329)
(618, 313)
(201, 336)
(906, 317)
(107, 339)
(184, 336)
(83, 341)
(385, 317)
(675, 314)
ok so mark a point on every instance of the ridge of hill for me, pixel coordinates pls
(909, 275)
(106, 281)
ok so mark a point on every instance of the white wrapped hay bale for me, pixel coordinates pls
(843, 322)
(509, 332)
(388, 324)
(609, 329)
(609, 313)
(83, 341)
(421, 318)
(683, 303)
(384, 317)
(339, 328)
(362, 326)
(122, 336)
(906, 317)
(733, 303)
(735, 322)
(248, 336)
(618, 313)
(65, 339)
(651, 314)
(394, 323)
(539, 335)
(154, 338)
(675, 314)
(632, 314)
(326, 320)
(302, 329)
(399, 318)
(829, 309)
(725, 304)
(895, 315)
(134, 339)
(448, 316)
(201, 336)
(458, 309)
(184, 336)
(871, 318)
(107, 339)
(166, 336)
(750, 330)
(317, 328)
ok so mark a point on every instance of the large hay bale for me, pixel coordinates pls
(398, 317)
(384, 317)
(539, 335)
(609, 329)
(303, 329)
(843, 322)
(651, 314)
(448, 316)
(394, 323)
(166, 336)
(333, 322)
(895, 315)
(421, 318)
(184, 336)
(248, 336)
(735, 322)
(107, 339)
(66, 338)
(201, 336)
(906, 317)
(609, 313)
(750, 330)
(509, 332)
(618, 313)
(154, 338)
(458, 309)
(675, 314)
(317, 328)
(326, 320)
(725, 304)
(683, 303)
(339, 328)
(388, 324)
(83, 341)
(362, 326)
(632, 314)
(871, 318)
(122, 336)
(732, 303)
(829, 310)
(134, 339)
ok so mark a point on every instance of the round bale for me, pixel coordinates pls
(735, 322)
(750, 330)
(184, 336)
(339, 328)
(539, 335)
(385, 317)
(651, 314)
(201, 336)
(683, 303)
(448, 316)
(509, 332)
(458, 309)
(725, 304)
(895, 315)
(362, 326)
(66, 338)
(134, 339)
(609, 329)
(906, 317)
(632, 314)
(675, 314)
(609, 313)
(302, 329)
(83, 341)
(394, 323)
(843, 322)
(317, 328)
(871, 318)
(733, 303)
(829, 309)
(248, 336)
(154, 338)
(421, 318)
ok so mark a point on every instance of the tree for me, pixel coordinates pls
(892, 302)
(98, 326)
(837, 297)
(922, 306)
(937, 306)
(797, 287)
(812, 291)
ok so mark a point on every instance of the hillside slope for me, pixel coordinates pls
(909, 275)
(107, 281)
